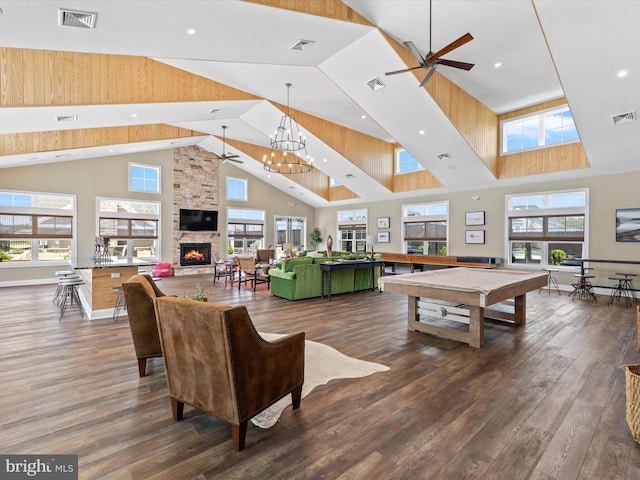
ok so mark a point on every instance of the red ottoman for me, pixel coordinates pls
(162, 270)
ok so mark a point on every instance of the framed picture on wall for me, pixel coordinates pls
(474, 218)
(628, 225)
(383, 222)
(474, 236)
(383, 237)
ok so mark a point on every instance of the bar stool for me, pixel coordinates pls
(583, 287)
(120, 303)
(69, 295)
(63, 274)
(628, 284)
(551, 281)
(620, 291)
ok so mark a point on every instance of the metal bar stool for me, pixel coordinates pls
(583, 288)
(69, 295)
(120, 303)
(620, 291)
(628, 284)
(551, 281)
(63, 274)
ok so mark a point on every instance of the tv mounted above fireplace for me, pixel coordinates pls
(198, 220)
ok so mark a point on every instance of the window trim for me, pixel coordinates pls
(546, 212)
(540, 115)
(145, 166)
(244, 181)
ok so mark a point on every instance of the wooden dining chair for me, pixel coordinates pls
(248, 272)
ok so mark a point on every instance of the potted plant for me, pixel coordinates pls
(316, 237)
(557, 256)
(199, 294)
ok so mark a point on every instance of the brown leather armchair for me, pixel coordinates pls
(216, 362)
(140, 291)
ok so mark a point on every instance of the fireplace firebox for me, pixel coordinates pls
(195, 254)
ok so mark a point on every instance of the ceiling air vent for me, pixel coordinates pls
(375, 84)
(74, 18)
(624, 118)
(302, 44)
(66, 118)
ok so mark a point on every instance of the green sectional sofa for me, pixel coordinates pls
(299, 277)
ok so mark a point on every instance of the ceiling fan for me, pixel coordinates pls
(432, 60)
(225, 156)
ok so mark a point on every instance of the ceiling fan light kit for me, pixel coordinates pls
(432, 60)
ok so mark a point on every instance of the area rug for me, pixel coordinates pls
(261, 288)
(322, 364)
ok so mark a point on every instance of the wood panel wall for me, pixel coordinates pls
(325, 8)
(543, 160)
(408, 182)
(44, 78)
(34, 142)
(340, 192)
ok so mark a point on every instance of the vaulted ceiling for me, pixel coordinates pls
(69, 93)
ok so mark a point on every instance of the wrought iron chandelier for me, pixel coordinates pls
(288, 139)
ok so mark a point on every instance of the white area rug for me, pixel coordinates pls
(322, 363)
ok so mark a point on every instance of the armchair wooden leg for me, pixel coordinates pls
(296, 396)
(142, 367)
(239, 434)
(177, 409)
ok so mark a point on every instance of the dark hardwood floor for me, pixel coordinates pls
(537, 402)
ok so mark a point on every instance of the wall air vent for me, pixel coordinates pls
(75, 18)
(375, 84)
(624, 118)
(302, 44)
(66, 118)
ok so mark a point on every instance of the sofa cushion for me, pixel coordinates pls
(289, 263)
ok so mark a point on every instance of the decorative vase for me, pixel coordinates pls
(329, 245)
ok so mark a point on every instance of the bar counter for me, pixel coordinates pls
(100, 278)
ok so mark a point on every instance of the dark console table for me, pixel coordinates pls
(327, 267)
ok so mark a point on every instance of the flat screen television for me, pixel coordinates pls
(198, 220)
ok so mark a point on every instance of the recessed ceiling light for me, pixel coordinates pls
(134, 115)
(363, 116)
(421, 132)
(622, 73)
(191, 31)
(324, 159)
(497, 64)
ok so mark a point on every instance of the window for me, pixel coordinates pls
(237, 189)
(245, 230)
(290, 230)
(352, 229)
(405, 162)
(425, 228)
(333, 182)
(546, 229)
(549, 127)
(36, 228)
(144, 178)
(132, 227)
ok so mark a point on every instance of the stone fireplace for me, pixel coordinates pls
(195, 254)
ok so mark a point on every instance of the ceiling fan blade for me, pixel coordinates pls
(227, 156)
(233, 159)
(218, 157)
(452, 46)
(404, 70)
(454, 64)
(414, 51)
(426, 79)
